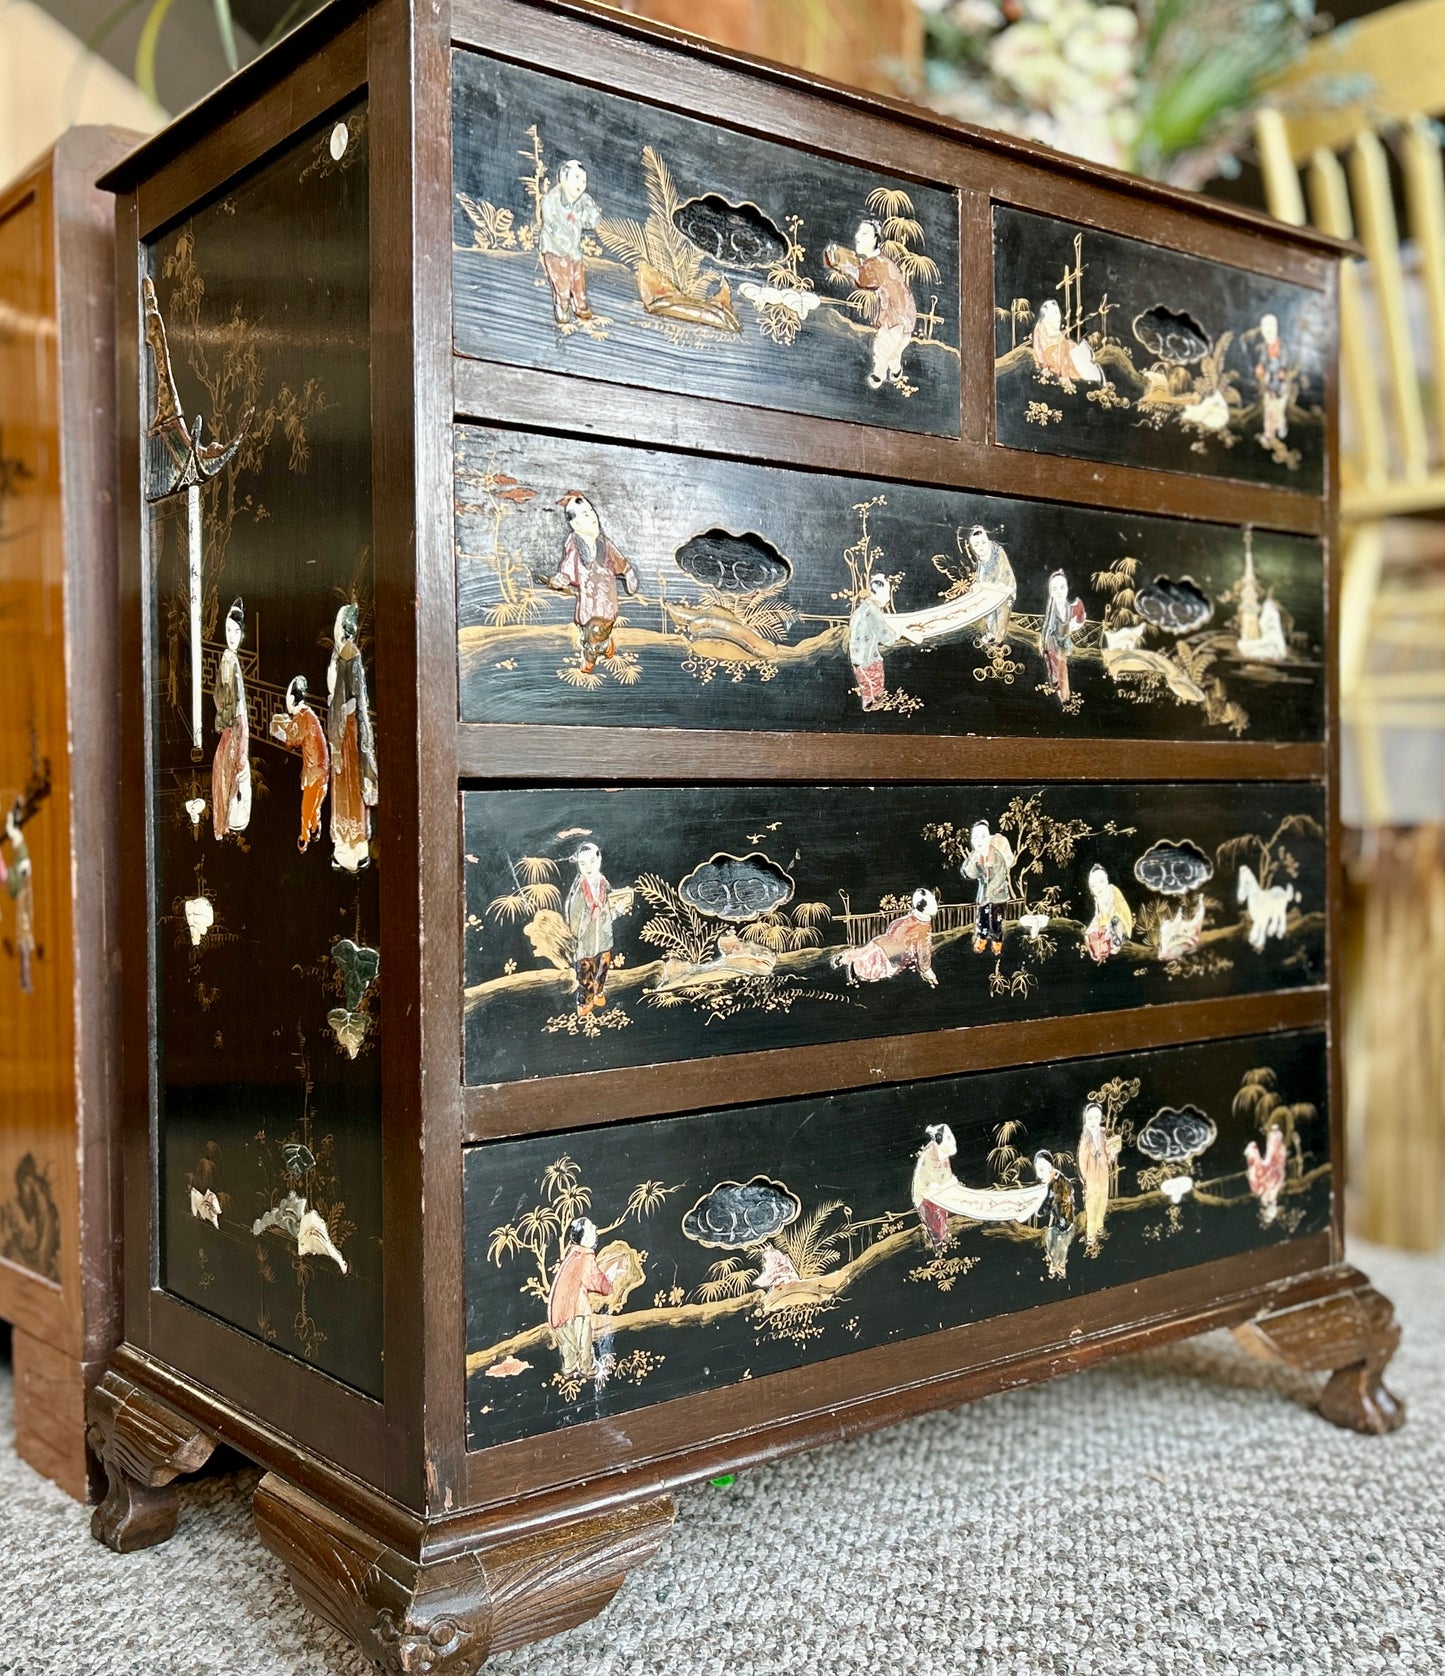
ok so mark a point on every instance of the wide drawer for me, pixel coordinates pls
(648, 925)
(627, 1265)
(600, 585)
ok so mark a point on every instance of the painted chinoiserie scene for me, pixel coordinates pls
(625, 1265)
(600, 584)
(266, 721)
(657, 924)
(1112, 349)
(595, 235)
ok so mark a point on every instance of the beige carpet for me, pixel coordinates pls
(1180, 1511)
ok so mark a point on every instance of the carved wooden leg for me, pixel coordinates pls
(444, 1617)
(144, 1445)
(1349, 1333)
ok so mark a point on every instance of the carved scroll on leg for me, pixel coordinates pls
(144, 1445)
(444, 1617)
(1349, 1333)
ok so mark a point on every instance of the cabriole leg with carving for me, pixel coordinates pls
(144, 1445)
(1349, 1333)
(445, 1617)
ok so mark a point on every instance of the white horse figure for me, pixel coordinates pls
(1267, 909)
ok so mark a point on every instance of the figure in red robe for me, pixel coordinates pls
(300, 730)
(353, 754)
(904, 945)
(231, 765)
(569, 1302)
(1266, 1174)
(892, 309)
(592, 571)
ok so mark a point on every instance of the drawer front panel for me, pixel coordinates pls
(604, 585)
(727, 1245)
(653, 925)
(1110, 349)
(595, 235)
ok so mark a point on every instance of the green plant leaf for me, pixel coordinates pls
(145, 49)
(226, 29)
(96, 37)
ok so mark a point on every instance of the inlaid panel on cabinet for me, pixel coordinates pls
(604, 585)
(609, 928)
(265, 719)
(1112, 349)
(627, 1265)
(597, 235)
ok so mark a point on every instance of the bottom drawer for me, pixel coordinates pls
(625, 1265)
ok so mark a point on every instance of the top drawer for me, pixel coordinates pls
(1107, 348)
(595, 235)
(628, 244)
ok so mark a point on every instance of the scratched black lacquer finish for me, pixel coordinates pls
(635, 927)
(268, 1058)
(678, 255)
(756, 597)
(737, 1243)
(1113, 349)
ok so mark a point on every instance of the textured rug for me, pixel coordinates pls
(1177, 1511)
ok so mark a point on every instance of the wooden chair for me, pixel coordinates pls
(1392, 325)
(1393, 462)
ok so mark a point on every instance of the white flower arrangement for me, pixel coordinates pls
(1164, 87)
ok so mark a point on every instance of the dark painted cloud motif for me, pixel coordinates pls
(1172, 335)
(1176, 1134)
(734, 564)
(736, 887)
(738, 234)
(735, 1215)
(1174, 869)
(1176, 607)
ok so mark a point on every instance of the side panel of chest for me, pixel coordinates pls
(268, 722)
(625, 1266)
(596, 235)
(642, 926)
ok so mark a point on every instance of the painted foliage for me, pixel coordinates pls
(595, 235)
(266, 730)
(1117, 350)
(611, 585)
(642, 926)
(627, 1265)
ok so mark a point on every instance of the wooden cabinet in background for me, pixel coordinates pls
(60, 806)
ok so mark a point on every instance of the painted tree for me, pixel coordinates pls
(1260, 1102)
(1270, 857)
(540, 1232)
(1119, 582)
